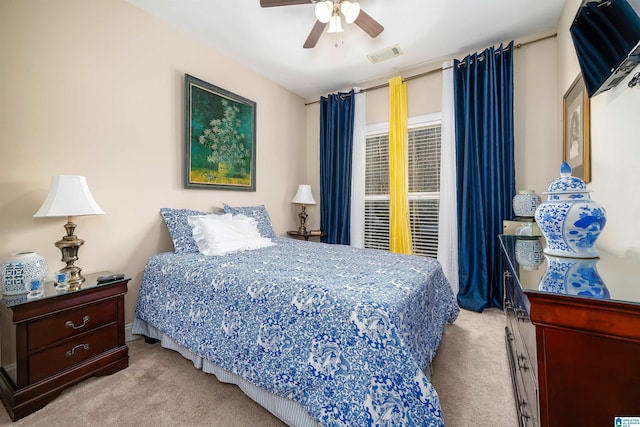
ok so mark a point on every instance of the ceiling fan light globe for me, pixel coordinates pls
(335, 24)
(324, 10)
(350, 11)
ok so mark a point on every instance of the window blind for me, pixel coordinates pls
(424, 188)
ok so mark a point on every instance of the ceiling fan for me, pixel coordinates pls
(328, 12)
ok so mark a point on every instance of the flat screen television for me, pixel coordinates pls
(606, 36)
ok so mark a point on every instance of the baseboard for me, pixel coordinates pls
(128, 335)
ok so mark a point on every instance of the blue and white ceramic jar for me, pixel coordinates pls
(17, 271)
(569, 219)
(573, 276)
(529, 252)
(525, 203)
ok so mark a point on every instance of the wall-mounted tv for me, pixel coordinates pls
(606, 36)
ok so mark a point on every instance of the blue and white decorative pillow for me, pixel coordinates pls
(259, 213)
(180, 230)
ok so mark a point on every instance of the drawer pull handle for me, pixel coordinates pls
(70, 324)
(522, 314)
(522, 363)
(73, 350)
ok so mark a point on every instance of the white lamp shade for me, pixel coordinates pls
(304, 196)
(324, 10)
(69, 195)
(335, 24)
(350, 11)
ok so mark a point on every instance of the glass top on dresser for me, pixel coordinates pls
(607, 277)
(50, 291)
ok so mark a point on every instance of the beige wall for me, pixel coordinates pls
(95, 88)
(424, 96)
(615, 147)
(543, 72)
(312, 164)
(535, 115)
(535, 88)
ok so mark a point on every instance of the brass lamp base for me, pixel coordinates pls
(303, 218)
(75, 278)
(69, 246)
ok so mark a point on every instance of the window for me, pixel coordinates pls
(424, 185)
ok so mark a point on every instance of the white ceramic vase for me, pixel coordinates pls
(19, 269)
(569, 219)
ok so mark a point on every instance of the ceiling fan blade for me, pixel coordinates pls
(314, 35)
(272, 3)
(368, 24)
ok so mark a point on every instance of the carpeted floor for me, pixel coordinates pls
(161, 388)
(471, 372)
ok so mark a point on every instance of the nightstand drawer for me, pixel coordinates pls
(58, 340)
(72, 352)
(71, 322)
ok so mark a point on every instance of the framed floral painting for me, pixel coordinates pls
(220, 138)
(576, 141)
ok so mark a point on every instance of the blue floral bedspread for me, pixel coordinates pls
(345, 332)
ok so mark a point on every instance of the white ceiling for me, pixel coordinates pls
(269, 40)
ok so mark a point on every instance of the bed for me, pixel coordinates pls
(315, 333)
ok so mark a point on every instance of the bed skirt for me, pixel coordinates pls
(289, 411)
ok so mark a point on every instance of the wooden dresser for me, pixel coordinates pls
(53, 342)
(573, 346)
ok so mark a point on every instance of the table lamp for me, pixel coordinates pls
(69, 196)
(303, 197)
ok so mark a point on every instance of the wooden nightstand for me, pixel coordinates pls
(59, 340)
(306, 235)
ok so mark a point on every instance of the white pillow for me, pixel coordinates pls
(222, 234)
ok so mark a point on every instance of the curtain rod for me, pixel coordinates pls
(438, 70)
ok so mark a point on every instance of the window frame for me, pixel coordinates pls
(382, 128)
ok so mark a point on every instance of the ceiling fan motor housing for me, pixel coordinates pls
(328, 11)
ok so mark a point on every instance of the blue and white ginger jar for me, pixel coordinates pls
(569, 219)
(573, 276)
(529, 253)
(17, 271)
(525, 203)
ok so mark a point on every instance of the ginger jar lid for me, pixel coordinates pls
(567, 183)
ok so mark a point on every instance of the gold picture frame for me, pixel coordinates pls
(576, 142)
(220, 140)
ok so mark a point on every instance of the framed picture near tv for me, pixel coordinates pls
(220, 140)
(576, 141)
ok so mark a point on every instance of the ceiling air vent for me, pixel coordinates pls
(385, 54)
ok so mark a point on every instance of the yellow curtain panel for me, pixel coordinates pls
(399, 224)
